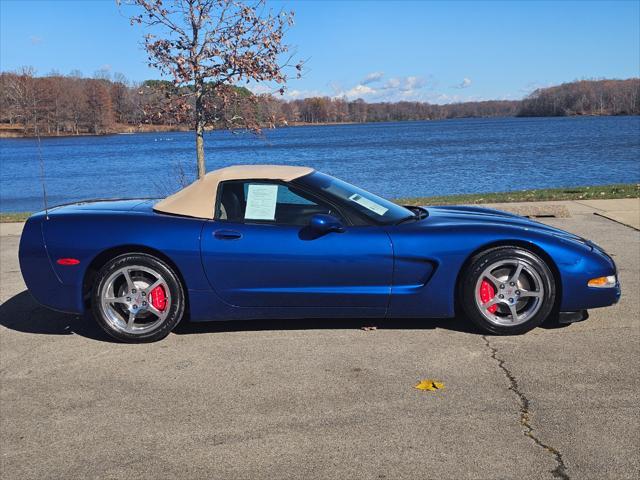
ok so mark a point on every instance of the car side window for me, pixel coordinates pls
(255, 201)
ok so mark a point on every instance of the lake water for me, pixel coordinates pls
(390, 159)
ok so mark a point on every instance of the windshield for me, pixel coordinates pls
(376, 208)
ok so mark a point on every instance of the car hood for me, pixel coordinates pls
(456, 215)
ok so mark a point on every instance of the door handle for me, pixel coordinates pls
(227, 234)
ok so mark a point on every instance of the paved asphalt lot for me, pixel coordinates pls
(324, 399)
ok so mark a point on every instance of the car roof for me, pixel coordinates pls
(199, 199)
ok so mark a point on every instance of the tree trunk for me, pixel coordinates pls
(202, 169)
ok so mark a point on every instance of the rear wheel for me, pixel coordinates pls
(137, 298)
(507, 290)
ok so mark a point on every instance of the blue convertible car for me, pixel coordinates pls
(253, 242)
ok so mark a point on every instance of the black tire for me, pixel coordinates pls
(533, 266)
(156, 327)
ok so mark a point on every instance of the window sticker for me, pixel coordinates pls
(368, 204)
(261, 202)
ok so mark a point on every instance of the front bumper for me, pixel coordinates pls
(573, 317)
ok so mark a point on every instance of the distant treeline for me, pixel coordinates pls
(71, 105)
(585, 97)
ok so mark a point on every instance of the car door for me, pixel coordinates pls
(260, 252)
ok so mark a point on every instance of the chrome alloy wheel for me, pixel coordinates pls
(509, 292)
(135, 299)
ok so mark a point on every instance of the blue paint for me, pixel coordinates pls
(271, 271)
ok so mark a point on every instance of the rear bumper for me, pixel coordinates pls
(39, 275)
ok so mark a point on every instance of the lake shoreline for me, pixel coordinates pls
(15, 132)
(598, 192)
(131, 130)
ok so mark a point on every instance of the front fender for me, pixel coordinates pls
(447, 248)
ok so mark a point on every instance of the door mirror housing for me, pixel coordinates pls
(323, 223)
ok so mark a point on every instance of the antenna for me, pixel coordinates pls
(42, 177)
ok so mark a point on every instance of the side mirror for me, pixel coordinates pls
(322, 223)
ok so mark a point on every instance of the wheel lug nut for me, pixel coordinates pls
(144, 304)
(511, 300)
(135, 306)
(502, 286)
(128, 299)
(512, 284)
(144, 294)
(133, 290)
(501, 296)
(517, 292)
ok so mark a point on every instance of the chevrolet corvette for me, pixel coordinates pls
(253, 242)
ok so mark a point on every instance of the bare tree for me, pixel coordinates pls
(22, 93)
(99, 107)
(212, 45)
(119, 90)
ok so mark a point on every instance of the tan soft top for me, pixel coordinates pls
(199, 199)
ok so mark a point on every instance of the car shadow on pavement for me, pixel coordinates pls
(23, 314)
(455, 324)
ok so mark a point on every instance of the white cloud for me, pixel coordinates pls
(261, 88)
(412, 88)
(466, 82)
(412, 83)
(372, 77)
(391, 84)
(393, 89)
(404, 84)
(296, 94)
(359, 90)
(444, 98)
(335, 87)
(35, 40)
(293, 94)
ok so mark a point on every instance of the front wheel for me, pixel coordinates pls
(137, 298)
(507, 290)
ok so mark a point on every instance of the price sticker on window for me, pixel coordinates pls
(368, 204)
(261, 202)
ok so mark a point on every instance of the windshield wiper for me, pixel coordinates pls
(422, 213)
(411, 217)
(419, 214)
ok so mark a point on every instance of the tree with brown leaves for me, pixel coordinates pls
(212, 45)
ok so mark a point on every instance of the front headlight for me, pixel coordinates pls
(603, 282)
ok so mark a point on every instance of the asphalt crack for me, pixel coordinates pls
(525, 420)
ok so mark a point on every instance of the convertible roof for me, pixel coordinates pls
(199, 199)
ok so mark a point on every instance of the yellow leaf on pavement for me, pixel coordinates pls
(430, 385)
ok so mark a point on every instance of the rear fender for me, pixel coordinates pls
(87, 238)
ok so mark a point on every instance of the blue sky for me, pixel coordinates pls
(377, 50)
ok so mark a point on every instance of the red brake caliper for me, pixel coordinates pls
(487, 292)
(158, 298)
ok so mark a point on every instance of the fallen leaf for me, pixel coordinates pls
(430, 385)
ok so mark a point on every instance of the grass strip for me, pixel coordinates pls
(625, 190)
